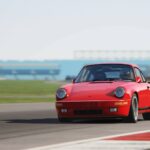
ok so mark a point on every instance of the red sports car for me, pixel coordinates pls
(105, 90)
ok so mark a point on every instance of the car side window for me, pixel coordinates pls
(138, 73)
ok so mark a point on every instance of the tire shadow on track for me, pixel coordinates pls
(55, 121)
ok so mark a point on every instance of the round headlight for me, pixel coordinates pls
(61, 93)
(120, 92)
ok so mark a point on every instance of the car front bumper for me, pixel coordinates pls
(93, 109)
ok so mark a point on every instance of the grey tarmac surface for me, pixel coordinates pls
(31, 125)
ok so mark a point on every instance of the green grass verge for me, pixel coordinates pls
(25, 100)
(12, 91)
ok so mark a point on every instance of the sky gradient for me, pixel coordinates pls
(53, 29)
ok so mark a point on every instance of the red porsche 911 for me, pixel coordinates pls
(105, 90)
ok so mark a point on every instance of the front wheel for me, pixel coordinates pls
(133, 113)
(146, 116)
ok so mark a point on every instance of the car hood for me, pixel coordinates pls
(94, 90)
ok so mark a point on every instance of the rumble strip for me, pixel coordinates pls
(116, 142)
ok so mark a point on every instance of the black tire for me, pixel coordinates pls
(64, 120)
(146, 116)
(133, 113)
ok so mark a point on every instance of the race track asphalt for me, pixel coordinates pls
(31, 125)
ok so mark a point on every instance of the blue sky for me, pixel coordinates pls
(53, 29)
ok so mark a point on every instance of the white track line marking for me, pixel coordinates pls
(109, 144)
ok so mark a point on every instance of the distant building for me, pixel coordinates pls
(112, 54)
(67, 69)
(28, 70)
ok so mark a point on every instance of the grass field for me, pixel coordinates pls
(19, 91)
(12, 91)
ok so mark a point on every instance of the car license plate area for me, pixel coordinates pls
(85, 108)
(84, 105)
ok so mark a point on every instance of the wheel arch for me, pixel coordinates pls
(132, 93)
(131, 116)
(136, 93)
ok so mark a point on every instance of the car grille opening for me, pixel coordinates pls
(88, 112)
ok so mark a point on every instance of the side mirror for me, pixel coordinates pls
(138, 79)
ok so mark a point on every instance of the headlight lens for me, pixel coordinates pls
(120, 92)
(61, 93)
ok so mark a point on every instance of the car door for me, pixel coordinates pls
(148, 90)
(143, 90)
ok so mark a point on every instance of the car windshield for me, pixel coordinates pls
(105, 72)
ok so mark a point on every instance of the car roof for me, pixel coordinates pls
(132, 65)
